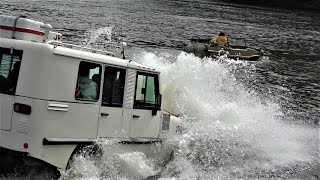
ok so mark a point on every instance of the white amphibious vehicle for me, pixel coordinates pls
(56, 97)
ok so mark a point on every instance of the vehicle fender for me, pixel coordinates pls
(93, 149)
(58, 155)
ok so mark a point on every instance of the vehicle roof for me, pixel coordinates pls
(81, 54)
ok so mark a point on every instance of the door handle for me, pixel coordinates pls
(135, 116)
(104, 114)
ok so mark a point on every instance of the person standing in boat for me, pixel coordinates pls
(220, 40)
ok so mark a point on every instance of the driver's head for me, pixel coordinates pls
(84, 71)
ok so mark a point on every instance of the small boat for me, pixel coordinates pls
(205, 48)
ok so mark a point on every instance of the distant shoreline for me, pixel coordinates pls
(310, 5)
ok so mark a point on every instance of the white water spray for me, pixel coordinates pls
(231, 130)
(95, 36)
(112, 161)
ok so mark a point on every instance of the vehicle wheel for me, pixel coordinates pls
(86, 150)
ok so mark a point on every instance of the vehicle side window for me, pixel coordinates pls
(147, 89)
(113, 87)
(88, 84)
(10, 60)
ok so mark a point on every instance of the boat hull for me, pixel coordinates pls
(204, 48)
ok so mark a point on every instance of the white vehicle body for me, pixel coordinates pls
(43, 117)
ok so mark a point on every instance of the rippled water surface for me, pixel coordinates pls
(245, 120)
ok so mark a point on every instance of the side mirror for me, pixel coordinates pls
(157, 105)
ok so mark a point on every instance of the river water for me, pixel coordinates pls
(243, 120)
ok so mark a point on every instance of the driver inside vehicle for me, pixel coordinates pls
(86, 88)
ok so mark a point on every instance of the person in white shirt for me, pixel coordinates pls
(87, 88)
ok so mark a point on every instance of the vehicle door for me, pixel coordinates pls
(10, 60)
(111, 109)
(145, 123)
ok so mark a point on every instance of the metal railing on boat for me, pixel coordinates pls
(72, 46)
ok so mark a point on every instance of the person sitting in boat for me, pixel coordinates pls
(87, 88)
(220, 40)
